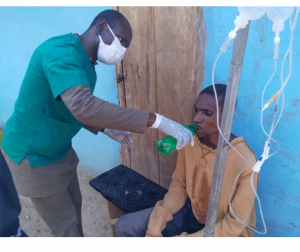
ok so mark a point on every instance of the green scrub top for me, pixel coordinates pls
(41, 126)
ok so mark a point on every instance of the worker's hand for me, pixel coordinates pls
(174, 129)
(123, 137)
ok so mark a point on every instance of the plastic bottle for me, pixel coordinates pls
(278, 14)
(246, 13)
(167, 144)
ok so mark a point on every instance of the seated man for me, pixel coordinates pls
(183, 210)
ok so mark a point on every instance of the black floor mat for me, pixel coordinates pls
(127, 189)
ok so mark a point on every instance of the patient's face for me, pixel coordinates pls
(205, 116)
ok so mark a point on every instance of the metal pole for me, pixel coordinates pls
(226, 124)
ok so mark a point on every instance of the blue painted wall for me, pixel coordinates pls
(22, 30)
(279, 186)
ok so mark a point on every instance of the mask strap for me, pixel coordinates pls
(101, 39)
(111, 31)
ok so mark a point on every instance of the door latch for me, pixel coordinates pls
(120, 78)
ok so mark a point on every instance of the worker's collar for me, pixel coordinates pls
(77, 36)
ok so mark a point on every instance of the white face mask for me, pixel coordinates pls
(110, 54)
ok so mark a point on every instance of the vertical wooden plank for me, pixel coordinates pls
(163, 71)
(139, 70)
(200, 50)
(179, 61)
(114, 214)
(114, 211)
(125, 153)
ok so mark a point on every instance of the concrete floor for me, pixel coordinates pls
(95, 218)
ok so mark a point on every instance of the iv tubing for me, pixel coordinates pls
(289, 51)
(269, 136)
(279, 92)
(246, 163)
(290, 58)
(262, 98)
(217, 104)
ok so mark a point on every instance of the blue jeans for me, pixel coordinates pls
(135, 224)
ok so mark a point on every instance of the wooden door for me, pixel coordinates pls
(163, 73)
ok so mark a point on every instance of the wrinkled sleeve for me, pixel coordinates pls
(173, 201)
(96, 112)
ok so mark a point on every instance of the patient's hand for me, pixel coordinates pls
(183, 234)
(153, 234)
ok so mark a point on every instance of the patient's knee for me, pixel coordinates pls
(123, 226)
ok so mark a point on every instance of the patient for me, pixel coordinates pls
(183, 210)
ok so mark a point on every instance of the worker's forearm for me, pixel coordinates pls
(93, 111)
(92, 129)
(151, 119)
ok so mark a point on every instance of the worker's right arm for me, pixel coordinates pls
(63, 68)
(173, 201)
(96, 112)
(93, 129)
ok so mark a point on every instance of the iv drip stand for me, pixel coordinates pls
(226, 124)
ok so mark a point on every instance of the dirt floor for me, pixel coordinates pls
(95, 219)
